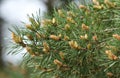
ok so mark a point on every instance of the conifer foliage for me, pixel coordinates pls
(80, 42)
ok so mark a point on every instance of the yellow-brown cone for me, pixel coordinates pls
(57, 62)
(96, 2)
(74, 44)
(16, 38)
(110, 55)
(116, 36)
(54, 37)
(110, 4)
(85, 27)
(46, 48)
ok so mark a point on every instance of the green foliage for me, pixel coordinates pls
(81, 42)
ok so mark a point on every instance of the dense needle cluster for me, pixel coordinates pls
(80, 42)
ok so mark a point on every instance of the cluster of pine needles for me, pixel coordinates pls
(79, 42)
